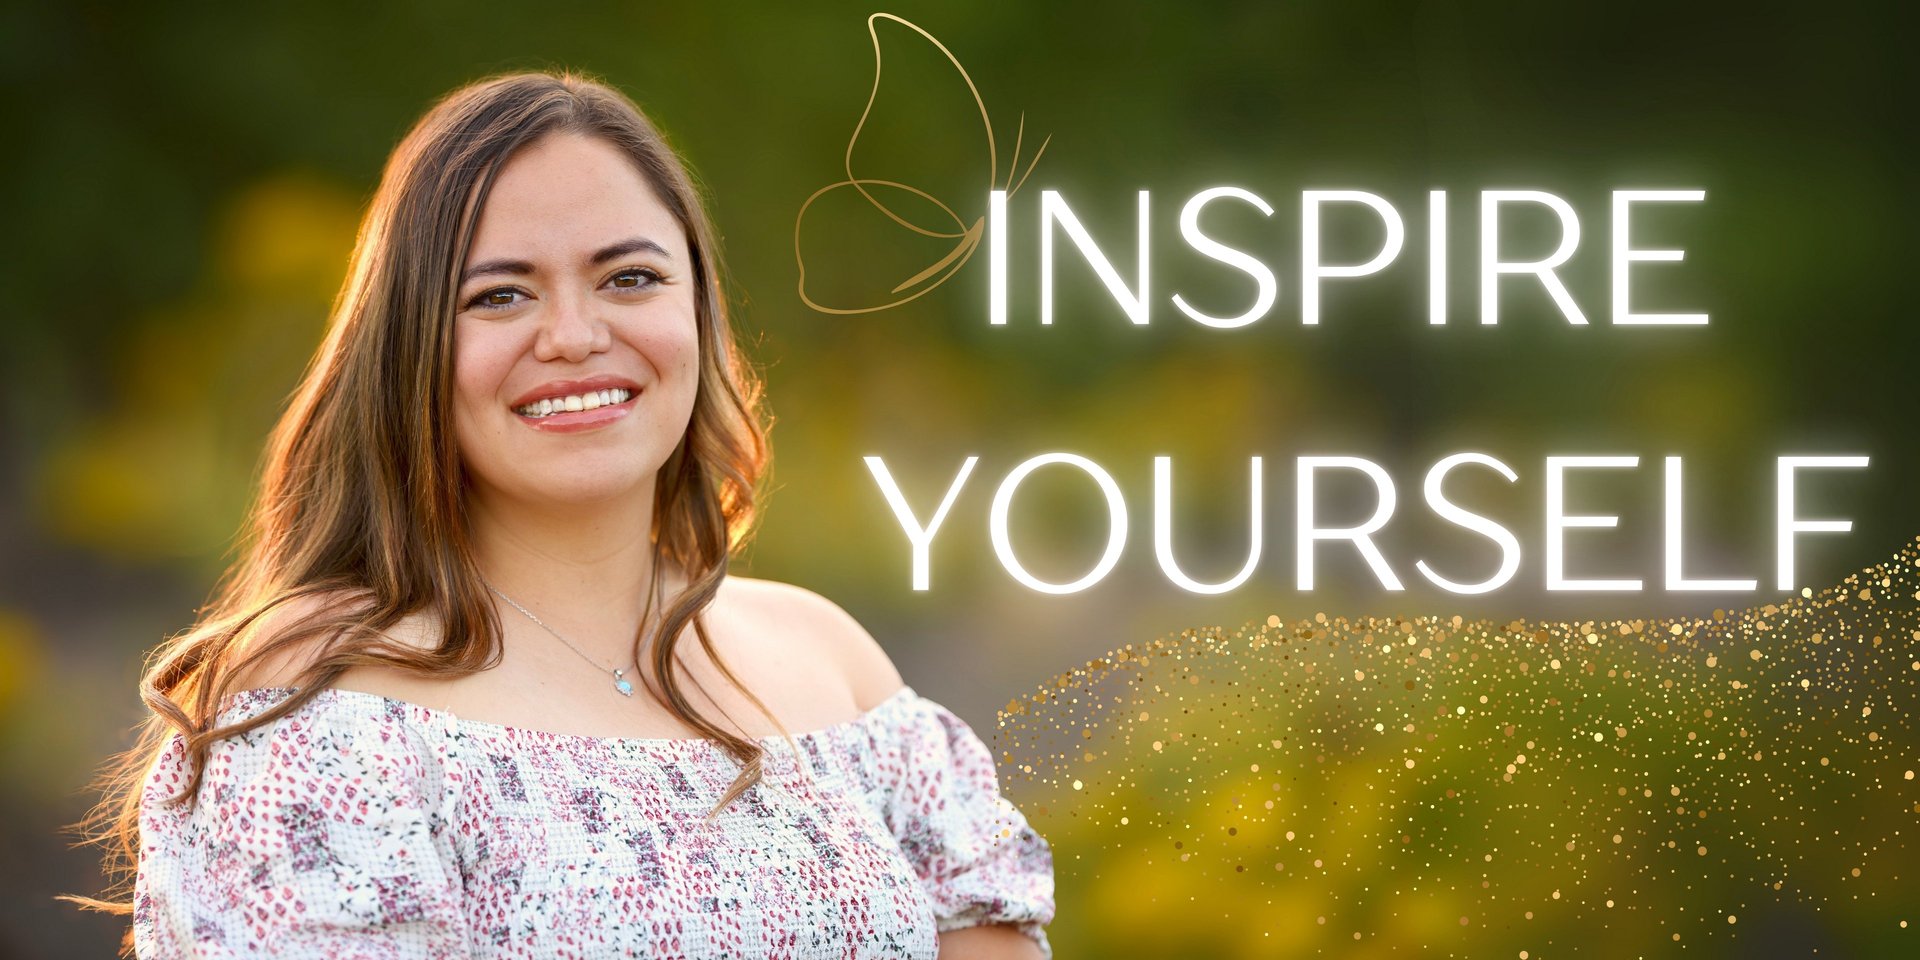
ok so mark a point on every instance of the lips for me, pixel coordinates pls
(560, 389)
(575, 403)
(574, 421)
(571, 406)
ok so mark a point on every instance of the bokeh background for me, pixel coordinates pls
(183, 184)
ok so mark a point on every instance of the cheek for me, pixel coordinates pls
(688, 354)
(673, 354)
(481, 360)
(480, 365)
(672, 350)
(687, 367)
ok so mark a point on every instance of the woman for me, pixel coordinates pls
(480, 685)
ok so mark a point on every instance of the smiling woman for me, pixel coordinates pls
(480, 684)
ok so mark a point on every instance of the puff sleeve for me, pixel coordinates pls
(975, 854)
(321, 835)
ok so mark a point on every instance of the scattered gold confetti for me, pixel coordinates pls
(1788, 773)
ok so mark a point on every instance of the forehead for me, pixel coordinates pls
(567, 195)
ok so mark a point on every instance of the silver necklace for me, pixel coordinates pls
(620, 682)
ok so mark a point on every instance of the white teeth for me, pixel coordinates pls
(577, 402)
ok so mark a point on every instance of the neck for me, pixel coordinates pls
(584, 569)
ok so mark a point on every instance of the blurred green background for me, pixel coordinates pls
(183, 186)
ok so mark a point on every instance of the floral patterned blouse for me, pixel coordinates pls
(365, 827)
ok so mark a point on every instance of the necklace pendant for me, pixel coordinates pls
(622, 684)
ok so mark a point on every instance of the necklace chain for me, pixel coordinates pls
(620, 682)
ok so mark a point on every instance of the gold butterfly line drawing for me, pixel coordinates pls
(965, 236)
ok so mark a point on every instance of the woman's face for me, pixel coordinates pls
(576, 349)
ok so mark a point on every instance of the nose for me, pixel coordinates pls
(571, 330)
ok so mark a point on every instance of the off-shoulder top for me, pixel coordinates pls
(359, 826)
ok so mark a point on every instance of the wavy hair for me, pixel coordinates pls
(359, 519)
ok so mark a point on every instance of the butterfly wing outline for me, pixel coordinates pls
(964, 235)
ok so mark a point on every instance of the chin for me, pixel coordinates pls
(573, 481)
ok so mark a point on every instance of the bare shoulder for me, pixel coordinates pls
(283, 664)
(832, 632)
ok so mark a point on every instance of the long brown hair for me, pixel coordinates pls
(359, 520)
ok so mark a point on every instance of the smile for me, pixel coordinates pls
(574, 403)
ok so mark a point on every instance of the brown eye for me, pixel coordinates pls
(495, 299)
(638, 279)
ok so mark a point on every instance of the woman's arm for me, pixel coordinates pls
(987, 872)
(322, 835)
(994, 941)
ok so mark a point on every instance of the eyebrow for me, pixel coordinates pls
(604, 254)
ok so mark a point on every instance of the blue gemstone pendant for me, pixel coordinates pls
(622, 684)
